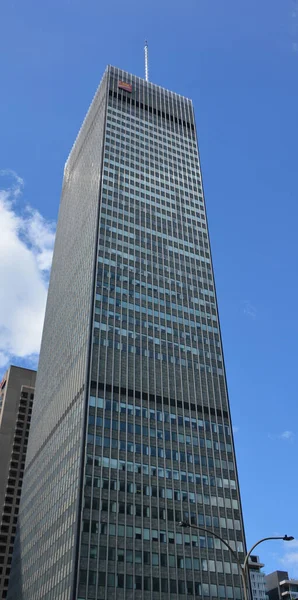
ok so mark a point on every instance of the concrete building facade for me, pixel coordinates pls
(257, 578)
(280, 587)
(131, 429)
(16, 398)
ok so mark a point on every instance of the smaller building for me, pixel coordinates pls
(16, 398)
(257, 578)
(280, 587)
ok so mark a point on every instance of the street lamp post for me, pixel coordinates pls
(243, 568)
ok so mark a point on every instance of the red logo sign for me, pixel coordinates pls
(125, 86)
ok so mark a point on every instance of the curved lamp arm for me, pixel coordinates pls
(185, 524)
(285, 538)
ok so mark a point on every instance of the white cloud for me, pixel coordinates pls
(287, 435)
(249, 310)
(235, 429)
(26, 247)
(289, 560)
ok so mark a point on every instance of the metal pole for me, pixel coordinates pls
(146, 62)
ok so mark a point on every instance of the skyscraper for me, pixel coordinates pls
(16, 399)
(131, 427)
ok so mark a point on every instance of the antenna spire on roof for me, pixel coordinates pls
(146, 61)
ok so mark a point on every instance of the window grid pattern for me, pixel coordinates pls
(43, 564)
(156, 335)
(10, 508)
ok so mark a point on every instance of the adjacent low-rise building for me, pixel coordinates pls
(280, 587)
(257, 578)
(16, 398)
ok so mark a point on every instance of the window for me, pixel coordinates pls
(120, 555)
(147, 586)
(155, 584)
(163, 560)
(92, 578)
(189, 587)
(129, 582)
(181, 587)
(83, 577)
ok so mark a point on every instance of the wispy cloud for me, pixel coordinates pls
(286, 435)
(26, 247)
(235, 429)
(249, 310)
(289, 560)
(294, 26)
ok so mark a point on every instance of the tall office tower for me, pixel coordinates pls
(131, 428)
(16, 398)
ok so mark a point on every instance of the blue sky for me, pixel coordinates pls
(238, 61)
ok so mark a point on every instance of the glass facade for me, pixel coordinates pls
(133, 402)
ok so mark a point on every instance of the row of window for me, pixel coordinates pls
(143, 125)
(148, 311)
(135, 148)
(161, 206)
(157, 205)
(146, 130)
(156, 184)
(137, 254)
(157, 492)
(178, 201)
(183, 335)
(167, 177)
(110, 277)
(163, 115)
(164, 272)
(160, 212)
(159, 416)
(154, 471)
(166, 345)
(149, 145)
(149, 298)
(168, 454)
(155, 535)
(154, 274)
(142, 162)
(155, 584)
(186, 333)
(174, 360)
(156, 559)
(165, 252)
(169, 514)
(154, 236)
(105, 315)
(155, 432)
(162, 434)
